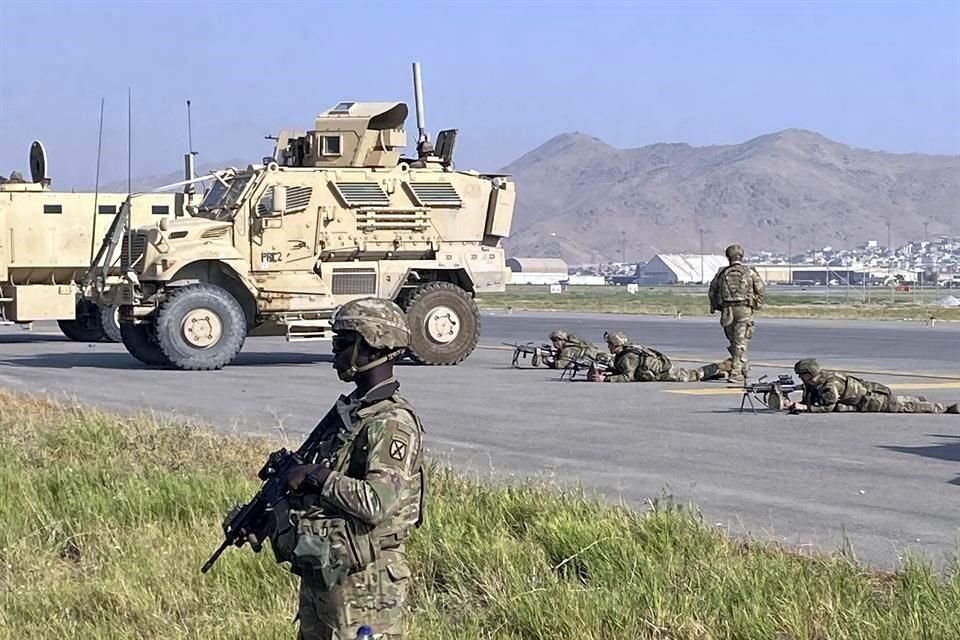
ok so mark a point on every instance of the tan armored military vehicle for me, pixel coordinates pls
(335, 214)
(47, 240)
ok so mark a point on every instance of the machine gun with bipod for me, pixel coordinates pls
(773, 394)
(537, 353)
(602, 362)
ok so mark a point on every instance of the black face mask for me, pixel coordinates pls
(351, 356)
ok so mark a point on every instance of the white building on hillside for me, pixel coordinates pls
(681, 268)
(537, 270)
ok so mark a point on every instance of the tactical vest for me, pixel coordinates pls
(736, 285)
(329, 546)
(853, 391)
(651, 360)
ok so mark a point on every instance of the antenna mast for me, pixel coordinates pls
(127, 217)
(129, 140)
(96, 185)
(189, 158)
(424, 148)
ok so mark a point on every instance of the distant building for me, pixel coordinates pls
(680, 268)
(537, 270)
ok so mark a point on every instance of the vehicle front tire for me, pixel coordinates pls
(201, 327)
(141, 343)
(444, 324)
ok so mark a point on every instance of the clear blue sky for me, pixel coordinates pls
(509, 74)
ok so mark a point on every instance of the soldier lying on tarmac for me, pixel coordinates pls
(637, 363)
(566, 347)
(825, 391)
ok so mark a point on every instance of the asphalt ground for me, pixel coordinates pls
(883, 486)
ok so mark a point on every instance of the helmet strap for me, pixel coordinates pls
(356, 368)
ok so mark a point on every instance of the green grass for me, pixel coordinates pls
(838, 304)
(105, 521)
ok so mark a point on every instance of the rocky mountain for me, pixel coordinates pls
(585, 201)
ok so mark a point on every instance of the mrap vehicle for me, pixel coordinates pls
(47, 240)
(335, 214)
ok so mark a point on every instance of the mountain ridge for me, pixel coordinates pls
(576, 195)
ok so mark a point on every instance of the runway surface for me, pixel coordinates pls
(885, 485)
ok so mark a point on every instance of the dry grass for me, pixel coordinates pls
(105, 521)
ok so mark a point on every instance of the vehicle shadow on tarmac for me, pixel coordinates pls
(948, 449)
(27, 338)
(128, 362)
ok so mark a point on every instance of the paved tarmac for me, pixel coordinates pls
(884, 485)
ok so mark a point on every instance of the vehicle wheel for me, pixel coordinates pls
(86, 327)
(444, 323)
(110, 321)
(201, 327)
(140, 341)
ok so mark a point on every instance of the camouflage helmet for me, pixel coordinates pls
(559, 334)
(807, 365)
(379, 321)
(616, 339)
(734, 252)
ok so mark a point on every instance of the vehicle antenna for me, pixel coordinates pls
(96, 185)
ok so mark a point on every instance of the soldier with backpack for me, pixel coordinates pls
(736, 292)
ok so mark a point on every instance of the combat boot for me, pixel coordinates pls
(708, 372)
(954, 408)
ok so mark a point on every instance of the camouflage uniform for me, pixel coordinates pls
(831, 391)
(373, 447)
(636, 363)
(569, 346)
(736, 292)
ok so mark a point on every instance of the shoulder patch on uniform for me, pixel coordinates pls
(398, 449)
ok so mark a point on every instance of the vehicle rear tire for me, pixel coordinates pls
(110, 321)
(86, 326)
(201, 327)
(140, 341)
(444, 323)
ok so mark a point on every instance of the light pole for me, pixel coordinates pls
(789, 255)
(702, 275)
(623, 247)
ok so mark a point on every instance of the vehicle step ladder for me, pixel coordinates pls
(309, 330)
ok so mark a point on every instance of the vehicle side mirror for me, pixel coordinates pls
(279, 205)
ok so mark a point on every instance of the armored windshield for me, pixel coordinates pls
(220, 202)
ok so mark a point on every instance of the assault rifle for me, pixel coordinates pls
(250, 522)
(771, 394)
(601, 362)
(537, 353)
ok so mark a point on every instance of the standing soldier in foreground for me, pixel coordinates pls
(361, 495)
(736, 292)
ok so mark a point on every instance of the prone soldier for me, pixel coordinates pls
(827, 391)
(638, 363)
(568, 346)
(736, 291)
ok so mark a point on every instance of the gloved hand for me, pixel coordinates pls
(318, 475)
(231, 515)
